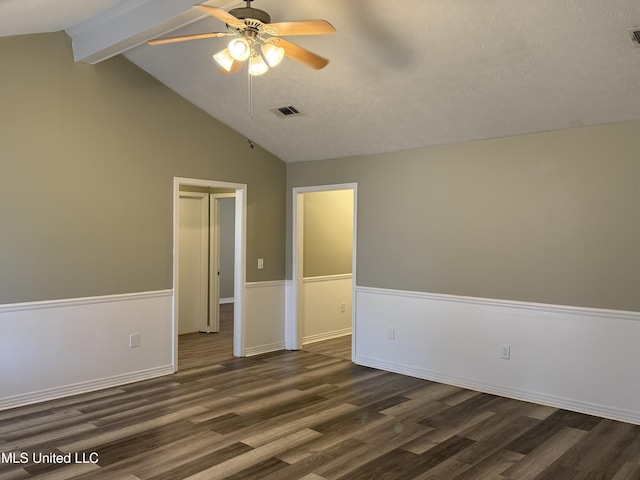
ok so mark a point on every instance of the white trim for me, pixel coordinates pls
(240, 272)
(293, 303)
(74, 302)
(273, 347)
(83, 387)
(297, 327)
(539, 307)
(327, 278)
(290, 342)
(239, 260)
(226, 300)
(354, 303)
(576, 358)
(326, 188)
(326, 336)
(266, 283)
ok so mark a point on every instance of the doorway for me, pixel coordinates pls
(308, 279)
(206, 223)
(207, 262)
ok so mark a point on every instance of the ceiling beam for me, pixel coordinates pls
(129, 24)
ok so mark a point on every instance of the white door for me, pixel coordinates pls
(221, 271)
(214, 263)
(193, 262)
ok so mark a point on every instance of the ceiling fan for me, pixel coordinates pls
(257, 39)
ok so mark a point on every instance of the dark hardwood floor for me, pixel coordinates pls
(336, 347)
(306, 415)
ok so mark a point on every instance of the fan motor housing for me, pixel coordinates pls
(244, 13)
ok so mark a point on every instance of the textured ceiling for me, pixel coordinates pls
(403, 73)
(18, 17)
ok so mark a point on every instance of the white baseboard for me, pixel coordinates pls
(326, 336)
(257, 350)
(83, 387)
(576, 358)
(504, 391)
(226, 300)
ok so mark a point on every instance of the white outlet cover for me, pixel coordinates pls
(505, 352)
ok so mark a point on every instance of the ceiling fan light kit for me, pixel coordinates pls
(272, 54)
(257, 66)
(258, 40)
(239, 49)
(224, 59)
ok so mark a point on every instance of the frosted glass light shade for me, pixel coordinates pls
(272, 54)
(257, 66)
(239, 49)
(224, 59)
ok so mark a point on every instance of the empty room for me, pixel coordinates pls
(319, 240)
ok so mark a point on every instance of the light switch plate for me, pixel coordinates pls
(505, 352)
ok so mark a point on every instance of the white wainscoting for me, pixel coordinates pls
(323, 317)
(52, 349)
(264, 317)
(581, 359)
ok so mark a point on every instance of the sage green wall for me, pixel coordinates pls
(87, 159)
(551, 218)
(227, 246)
(328, 233)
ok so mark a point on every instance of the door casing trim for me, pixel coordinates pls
(239, 260)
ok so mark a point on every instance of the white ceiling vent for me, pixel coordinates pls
(286, 112)
(634, 33)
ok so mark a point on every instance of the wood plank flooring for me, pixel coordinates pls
(308, 415)
(336, 347)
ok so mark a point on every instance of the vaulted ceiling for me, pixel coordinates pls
(403, 74)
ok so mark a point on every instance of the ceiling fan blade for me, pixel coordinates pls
(184, 38)
(223, 15)
(299, 54)
(307, 27)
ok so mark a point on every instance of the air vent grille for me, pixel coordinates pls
(635, 36)
(286, 112)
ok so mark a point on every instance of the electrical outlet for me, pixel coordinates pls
(343, 307)
(391, 333)
(134, 340)
(260, 264)
(505, 352)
